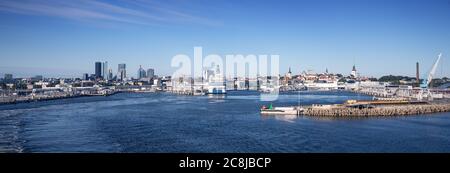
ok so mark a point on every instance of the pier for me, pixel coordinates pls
(388, 110)
(44, 95)
(406, 92)
(362, 109)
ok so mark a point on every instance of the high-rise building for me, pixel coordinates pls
(141, 73)
(105, 70)
(121, 72)
(85, 76)
(208, 74)
(110, 74)
(150, 73)
(8, 77)
(98, 69)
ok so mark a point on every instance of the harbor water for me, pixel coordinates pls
(164, 122)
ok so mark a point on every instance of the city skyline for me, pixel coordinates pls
(99, 70)
(225, 76)
(379, 37)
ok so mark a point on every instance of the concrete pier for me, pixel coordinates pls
(13, 99)
(388, 110)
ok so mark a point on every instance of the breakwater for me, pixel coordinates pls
(36, 98)
(388, 110)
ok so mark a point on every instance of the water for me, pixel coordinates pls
(161, 122)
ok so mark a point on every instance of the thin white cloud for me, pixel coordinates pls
(174, 14)
(94, 10)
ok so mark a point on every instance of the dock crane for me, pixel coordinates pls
(426, 83)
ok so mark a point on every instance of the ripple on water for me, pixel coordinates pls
(161, 122)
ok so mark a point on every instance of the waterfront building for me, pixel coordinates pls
(141, 73)
(29, 86)
(92, 77)
(216, 83)
(150, 73)
(41, 84)
(38, 78)
(10, 86)
(105, 70)
(121, 72)
(8, 78)
(156, 82)
(322, 85)
(207, 74)
(110, 74)
(98, 69)
(309, 77)
(85, 76)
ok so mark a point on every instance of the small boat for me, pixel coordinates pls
(217, 90)
(278, 110)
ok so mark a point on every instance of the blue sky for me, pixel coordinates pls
(55, 38)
